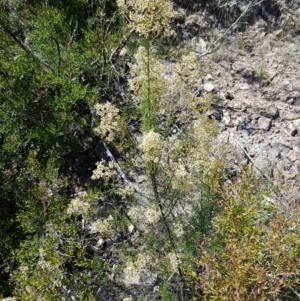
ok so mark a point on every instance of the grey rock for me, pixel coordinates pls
(296, 149)
(240, 123)
(264, 124)
(238, 67)
(214, 114)
(208, 77)
(297, 123)
(247, 74)
(293, 158)
(268, 112)
(226, 118)
(284, 165)
(264, 166)
(296, 85)
(281, 144)
(292, 129)
(229, 96)
(222, 127)
(244, 86)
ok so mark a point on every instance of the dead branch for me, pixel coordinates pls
(122, 174)
(212, 45)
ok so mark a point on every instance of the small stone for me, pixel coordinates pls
(208, 77)
(269, 112)
(278, 33)
(284, 165)
(214, 114)
(222, 127)
(238, 67)
(264, 124)
(100, 242)
(264, 165)
(208, 87)
(297, 123)
(240, 123)
(296, 85)
(293, 158)
(292, 129)
(130, 228)
(244, 86)
(123, 52)
(281, 144)
(296, 149)
(229, 96)
(226, 118)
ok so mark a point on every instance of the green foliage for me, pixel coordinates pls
(59, 269)
(260, 72)
(53, 64)
(252, 254)
(165, 294)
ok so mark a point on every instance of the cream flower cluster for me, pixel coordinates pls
(133, 270)
(188, 68)
(148, 17)
(173, 262)
(109, 121)
(125, 191)
(178, 230)
(151, 146)
(146, 68)
(148, 214)
(104, 170)
(103, 227)
(78, 205)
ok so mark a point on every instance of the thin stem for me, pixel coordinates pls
(148, 84)
(158, 201)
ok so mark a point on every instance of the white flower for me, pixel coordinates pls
(78, 205)
(148, 17)
(125, 191)
(151, 146)
(141, 214)
(178, 230)
(133, 270)
(180, 171)
(173, 262)
(109, 121)
(103, 226)
(103, 171)
(152, 215)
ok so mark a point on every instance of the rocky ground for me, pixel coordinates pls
(253, 76)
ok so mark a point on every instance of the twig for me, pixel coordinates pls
(122, 175)
(294, 291)
(73, 34)
(8, 31)
(58, 52)
(250, 159)
(266, 176)
(121, 45)
(211, 47)
(283, 274)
